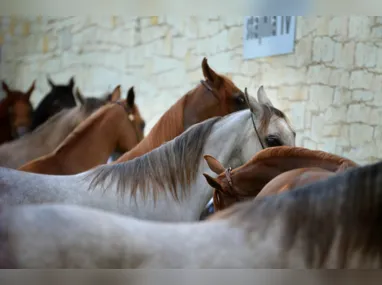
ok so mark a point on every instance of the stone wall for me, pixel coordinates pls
(330, 86)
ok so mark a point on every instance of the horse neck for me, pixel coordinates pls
(169, 126)
(222, 144)
(92, 141)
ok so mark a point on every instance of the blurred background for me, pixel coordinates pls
(330, 85)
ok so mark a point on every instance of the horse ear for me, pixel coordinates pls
(51, 83)
(214, 164)
(5, 86)
(262, 97)
(212, 182)
(210, 74)
(115, 95)
(79, 96)
(71, 82)
(131, 97)
(30, 90)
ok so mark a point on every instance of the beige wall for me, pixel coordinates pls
(330, 86)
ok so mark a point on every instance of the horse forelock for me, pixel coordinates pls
(164, 168)
(339, 218)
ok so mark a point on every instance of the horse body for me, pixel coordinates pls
(47, 137)
(112, 126)
(331, 224)
(249, 179)
(138, 187)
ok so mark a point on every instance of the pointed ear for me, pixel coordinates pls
(262, 97)
(50, 82)
(214, 164)
(211, 75)
(115, 95)
(30, 90)
(71, 82)
(79, 96)
(131, 97)
(5, 86)
(212, 182)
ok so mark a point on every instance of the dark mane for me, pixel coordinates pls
(174, 162)
(347, 206)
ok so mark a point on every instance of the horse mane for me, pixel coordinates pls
(169, 126)
(347, 206)
(176, 161)
(288, 151)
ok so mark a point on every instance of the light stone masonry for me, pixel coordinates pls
(330, 87)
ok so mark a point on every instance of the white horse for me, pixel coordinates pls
(333, 223)
(166, 184)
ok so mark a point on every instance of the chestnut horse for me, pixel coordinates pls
(246, 181)
(330, 224)
(48, 136)
(16, 113)
(216, 96)
(114, 126)
(60, 97)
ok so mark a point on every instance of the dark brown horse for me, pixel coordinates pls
(16, 113)
(246, 181)
(113, 126)
(216, 96)
(60, 97)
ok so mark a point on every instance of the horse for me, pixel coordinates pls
(48, 136)
(60, 97)
(114, 126)
(246, 181)
(16, 113)
(331, 224)
(165, 184)
(217, 95)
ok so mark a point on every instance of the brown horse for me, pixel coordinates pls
(114, 126)
(246, 181)
(296, 178)
(217, 96)
(16, 113)
(48, 136)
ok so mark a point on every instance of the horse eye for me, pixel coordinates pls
(240, 99)
(273, 141)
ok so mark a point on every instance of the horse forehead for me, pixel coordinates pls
(282, 127)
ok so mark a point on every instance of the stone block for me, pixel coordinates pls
(360, 134)
(363, 96)
(344, 55)
(365, 55)
(360, 27)
(297, 115)
(375, 116)
(235, 37)
(164, 64)
(323, 49)
(318, 74)
(320, 97)
(360, 79)
(342, 97)
(358, 113)
(334, 115)
(338, 27)
(293, 93)
(331, 130)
